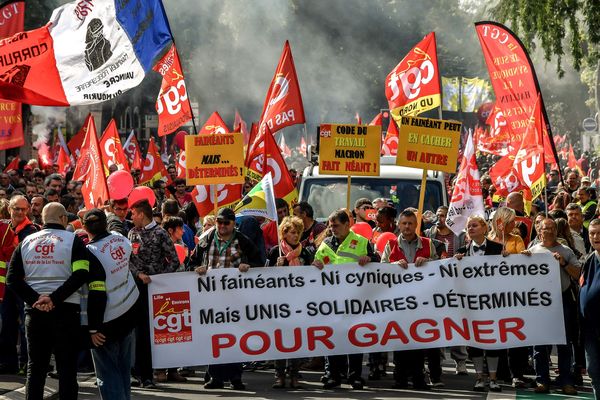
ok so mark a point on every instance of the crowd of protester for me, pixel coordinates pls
(171, 237)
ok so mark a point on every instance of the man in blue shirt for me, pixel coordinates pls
(589, 306)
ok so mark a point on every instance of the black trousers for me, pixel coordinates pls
(409, 363)
(47, 332)
(143, 352)
(10, 309)
(336, 364)
(226, 372)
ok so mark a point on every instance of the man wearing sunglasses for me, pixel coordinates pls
(223, 246)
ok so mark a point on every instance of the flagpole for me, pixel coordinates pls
(348, 194)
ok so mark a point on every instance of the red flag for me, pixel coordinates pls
(136, 163)
(153, 167)
(63, 161)
(240, 126)
(413, 86)
(529, 160)
(283, 105)
(572, 161)
(11, 120)
(13, 165)
(302, 149)
(172, 104)
(254, 141)
(112, 151)
(204, 195)
(90, 171)
(504, 177)
(513, 79)
(181, 165)
(267, 158)
(377, 120)
(499, 140)
(214, 124)
(390, 143)
(76, 141)
(358, 118)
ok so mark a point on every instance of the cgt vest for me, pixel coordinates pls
(47, 261)
(113, 252)
(351, 249)
(396, 253)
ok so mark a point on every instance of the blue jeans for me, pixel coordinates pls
(592, 355)
(113, 368)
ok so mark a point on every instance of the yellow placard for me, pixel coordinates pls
(428, 143)
(214, 159)
(349, 149)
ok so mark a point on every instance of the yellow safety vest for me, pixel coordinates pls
(351, 249)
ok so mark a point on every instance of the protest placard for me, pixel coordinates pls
(214, 159)
(349, 149)
(225, 316)
(428, 144)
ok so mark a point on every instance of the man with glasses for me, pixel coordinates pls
(12, 306)
(360, 211)
(117, 217)
(224, 246)
(46, 271)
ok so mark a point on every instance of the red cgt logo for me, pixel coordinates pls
(172, 317)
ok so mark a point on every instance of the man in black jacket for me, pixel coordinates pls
(224, 246)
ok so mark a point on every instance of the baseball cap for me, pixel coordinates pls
(585, 179)
(225, 214)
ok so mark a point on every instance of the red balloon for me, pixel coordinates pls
(180, 139)
(382, 240)
(363, 229)
(141, 193)
(120, 184)
(181, 252)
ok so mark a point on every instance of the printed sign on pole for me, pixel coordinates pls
(214, 159)
(349, 149)
(428, 144)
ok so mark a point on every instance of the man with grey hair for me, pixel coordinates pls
(579, 232)
(46, 271)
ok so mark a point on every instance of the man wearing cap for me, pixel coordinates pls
(153, 252)
(47, 270)
(223, 246)
(111, 318)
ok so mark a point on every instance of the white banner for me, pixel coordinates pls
(288, 312)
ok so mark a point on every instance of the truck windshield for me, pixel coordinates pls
(328, 194)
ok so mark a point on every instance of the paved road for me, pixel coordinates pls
(259, 387)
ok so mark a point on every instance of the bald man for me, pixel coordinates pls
(47, 270)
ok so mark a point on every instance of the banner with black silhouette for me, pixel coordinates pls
(491, 302)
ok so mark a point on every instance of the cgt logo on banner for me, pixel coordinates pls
(172, 318)
(490, 302)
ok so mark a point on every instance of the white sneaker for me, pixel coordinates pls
(437, 384)
(494, 387)
(479, 385)
(461, 367)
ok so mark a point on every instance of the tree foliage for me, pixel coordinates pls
(555, 24)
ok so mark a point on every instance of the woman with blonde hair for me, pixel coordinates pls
(289, 252)
(503, 225)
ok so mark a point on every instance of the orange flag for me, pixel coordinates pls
(112, 151)
(214, 124)
(13, 165)
(90, 171)
(572, 161)
(153, 167)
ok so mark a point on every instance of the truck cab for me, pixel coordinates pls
(401, 185)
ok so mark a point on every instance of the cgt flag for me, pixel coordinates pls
(514, 81)
(283, 105)
(413, 86)
(214, 124)
(466, 197)
(259, 201)
(76, 141)
(389, 147)
(89, 52)
(112, 151)
(153, 167)
(90, 171)
(529, 160)
(172, 104)
(204, 196)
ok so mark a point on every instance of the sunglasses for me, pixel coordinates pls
(224, 222)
